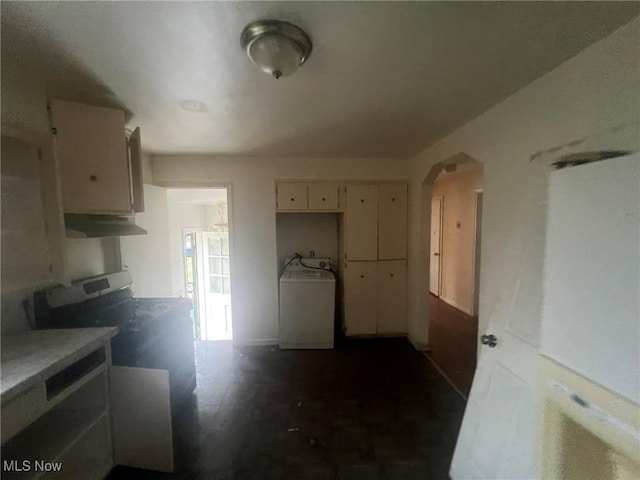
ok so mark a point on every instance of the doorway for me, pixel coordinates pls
(454, 271)
(202, 216)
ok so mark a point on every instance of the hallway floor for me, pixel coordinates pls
(453, 337)
(369, 409)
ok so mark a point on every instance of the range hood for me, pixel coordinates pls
(96, 226)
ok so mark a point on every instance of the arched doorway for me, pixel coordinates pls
(452, 195)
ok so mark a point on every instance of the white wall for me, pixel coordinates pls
(147, 256)
(303, 232)
(254, 262)
(590, 93)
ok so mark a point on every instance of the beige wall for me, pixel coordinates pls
(596, 90)
(303, 232)
(254, 260)
(147, 256)
(458, 246)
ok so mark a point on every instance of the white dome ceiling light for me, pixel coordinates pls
(276, 47)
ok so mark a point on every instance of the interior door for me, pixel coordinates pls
(499, 431)
(436, 244)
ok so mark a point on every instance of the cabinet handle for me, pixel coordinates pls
(361, 276)
(391, 274)
(93, 178)
(393, 199)
(293, 199)
(362, 200)
(323, 199)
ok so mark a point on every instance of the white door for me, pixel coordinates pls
(361, 223)
(217, 287)
(436, 243)
(360, 292)
(499, 432)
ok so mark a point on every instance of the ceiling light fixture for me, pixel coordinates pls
(191, 105)
(276, 47)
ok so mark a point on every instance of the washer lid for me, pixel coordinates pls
(307, 275)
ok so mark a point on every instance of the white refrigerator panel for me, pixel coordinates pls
(591, 311)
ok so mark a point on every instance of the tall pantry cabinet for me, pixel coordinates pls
(375, 275)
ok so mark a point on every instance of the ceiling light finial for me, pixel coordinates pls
(276, 47)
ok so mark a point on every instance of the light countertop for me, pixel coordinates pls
(31, 357)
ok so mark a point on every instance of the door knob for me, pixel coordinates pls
(436, 254)
(490, 340)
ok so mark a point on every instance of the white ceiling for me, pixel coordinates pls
(385, 79)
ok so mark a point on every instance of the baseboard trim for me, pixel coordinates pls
(420, 346)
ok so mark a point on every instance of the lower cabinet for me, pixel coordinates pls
(141, 411)
(375, 296)
(360, 307)
(392, 296)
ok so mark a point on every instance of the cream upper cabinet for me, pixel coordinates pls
(301, 196)
(392, 296)
(291, 196)
(360, 285)
(392, 221)
(361, 222)
(323, 196)
(92, 152)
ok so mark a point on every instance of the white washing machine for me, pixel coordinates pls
(307, 303)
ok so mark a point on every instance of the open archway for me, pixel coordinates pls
(450, 225)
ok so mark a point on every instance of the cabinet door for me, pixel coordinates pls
(323, 196)
(361, 223)
(291, 196)
(141, 418)
(92, 156)
(360, 291)
(392, 221)
(135, 158)
(392, 296)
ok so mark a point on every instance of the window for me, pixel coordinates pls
(219, 272)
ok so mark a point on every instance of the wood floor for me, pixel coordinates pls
(453, 342)
(367, 410)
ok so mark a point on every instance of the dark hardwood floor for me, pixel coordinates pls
(369, 409)
(453, 342)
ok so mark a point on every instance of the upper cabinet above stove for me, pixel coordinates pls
(100, 168)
